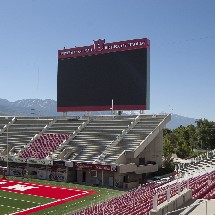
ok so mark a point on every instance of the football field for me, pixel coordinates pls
(20, 197)
(44, 196)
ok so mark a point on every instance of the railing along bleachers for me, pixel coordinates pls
(4, 120)
(132, 140)
(97, 135)
(68, 126)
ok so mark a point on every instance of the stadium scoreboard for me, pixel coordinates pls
(103, 76)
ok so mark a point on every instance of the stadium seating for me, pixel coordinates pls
(65, 125)
(43, 146)
(135, 136)
(140, 200)
(96, 136)
(3, 124)
(93, 143)
(21, 131)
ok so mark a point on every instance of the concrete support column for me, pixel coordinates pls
(155, 202)
(67, 172)
(46, 171)
(188, 184)
(102, 177)
(168, 194)
(179, 188)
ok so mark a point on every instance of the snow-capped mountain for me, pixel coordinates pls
(29, 107)
(48, 107)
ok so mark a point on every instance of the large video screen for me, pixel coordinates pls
(96, 82)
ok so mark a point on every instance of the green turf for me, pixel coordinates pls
(11, 202)
(27, 201)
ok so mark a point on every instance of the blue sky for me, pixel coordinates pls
(182, 35)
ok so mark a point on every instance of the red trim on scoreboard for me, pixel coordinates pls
(100, 47)
(102, 108)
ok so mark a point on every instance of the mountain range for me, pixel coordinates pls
(29, 107)
(48, 107)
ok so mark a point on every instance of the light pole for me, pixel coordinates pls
(7, 153)
(111, 107)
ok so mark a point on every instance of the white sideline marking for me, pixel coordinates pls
(22, 200)
(9, 207)
(34, 207)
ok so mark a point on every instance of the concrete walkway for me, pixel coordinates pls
(196, 207)
(204, 208)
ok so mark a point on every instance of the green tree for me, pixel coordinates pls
(184, 139)
(183, 150)
(168, 149)
(205, 133)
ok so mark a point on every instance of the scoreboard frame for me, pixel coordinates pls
(135, 52)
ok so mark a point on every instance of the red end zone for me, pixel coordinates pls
(59, 194)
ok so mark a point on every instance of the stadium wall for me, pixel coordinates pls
(154, 151)
(175, 202)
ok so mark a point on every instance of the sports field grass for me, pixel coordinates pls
(16, 195)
